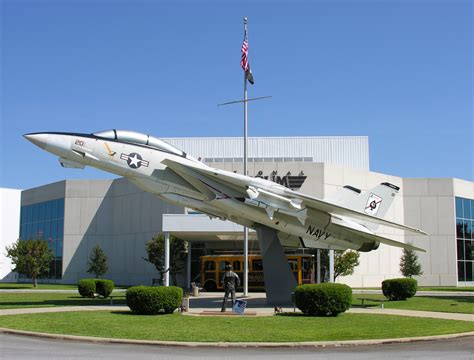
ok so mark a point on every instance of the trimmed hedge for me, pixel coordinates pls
(92, 287)
(153, 300)
(399, 289)
(86, 288)
(104, 287)
(326, 299)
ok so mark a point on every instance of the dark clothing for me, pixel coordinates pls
(230, 280)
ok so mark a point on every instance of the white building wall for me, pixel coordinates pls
(349, 151)
(9, 228)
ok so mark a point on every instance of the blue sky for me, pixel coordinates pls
(400, 72)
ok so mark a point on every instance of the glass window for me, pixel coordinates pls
(54, 229)
(459, 228)
(461, 255)
(61, 229)
(469, 250)
(29, 215)
(23, 215)
(54, 209)
(35, 212)
(47, 229)
(461, 273)
(467, 229)
(23, 232)
(34, 230)
(459, 207)
(47, 210)
(209, 266)
(236, 265)
(466, 204)
(257, 265)
(468, 270)
(59, 248)
(28, 232)
(61, 209)
(41, 212)
(222, 265)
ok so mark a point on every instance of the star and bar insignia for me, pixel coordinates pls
(134, 160)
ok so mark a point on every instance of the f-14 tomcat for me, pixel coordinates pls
(281, 216)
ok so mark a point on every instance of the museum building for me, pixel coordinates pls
(75, 215)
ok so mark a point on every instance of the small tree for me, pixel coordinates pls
(409, 264)
(31, 258)
(155, 249)
(97, 262)
(344, 263)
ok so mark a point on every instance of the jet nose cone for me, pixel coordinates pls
(39, 139)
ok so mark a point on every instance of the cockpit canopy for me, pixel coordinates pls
(140, 139)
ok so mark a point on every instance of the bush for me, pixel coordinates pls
(323, 299)
(399, 289)
(104, 287)
(152, 300)
(86, 288)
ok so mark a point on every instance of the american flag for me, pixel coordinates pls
(244, 61)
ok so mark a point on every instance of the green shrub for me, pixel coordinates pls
(86, 287)
(104, 287)
(399, 289)
(323, 299)
(152, 300)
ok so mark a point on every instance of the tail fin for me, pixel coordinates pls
(374, 202)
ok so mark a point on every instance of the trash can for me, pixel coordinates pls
(195, 289)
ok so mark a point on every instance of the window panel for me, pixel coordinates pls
(23, 232)
(34, 230)
(468, 271)
(54, 209)
(29, 214)
(61, 209)
(459, 228)
(61, 229)
(469, 250)
(222, 265)
(54, 229)
(23, 215)
(466, 205)
(459, 207)
(59, 248)
(461, 273)
(236, 265)
(47, 210)
(47, 230)
(35, 212)
(28, 231)
(41, 212)
(461, 255)
(467, 229)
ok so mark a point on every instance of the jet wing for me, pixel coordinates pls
(241, 182)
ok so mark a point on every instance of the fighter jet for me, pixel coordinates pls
(281, 216)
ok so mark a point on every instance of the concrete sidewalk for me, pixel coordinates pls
(256, 302)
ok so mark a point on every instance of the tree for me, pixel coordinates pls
(31, 258)
(344, 263)
(409, 264)
(155, 249)
(97, 262)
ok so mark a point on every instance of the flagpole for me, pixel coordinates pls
(246, 230)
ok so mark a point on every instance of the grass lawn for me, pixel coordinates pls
(29, 300)
(428, 288)
(458, 304)
(179, 327)
(21, 286)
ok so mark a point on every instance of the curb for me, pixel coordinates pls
(311, 344)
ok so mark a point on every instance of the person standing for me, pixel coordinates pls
(230, 280)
